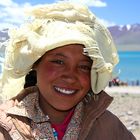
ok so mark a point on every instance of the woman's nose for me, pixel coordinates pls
(70, 75)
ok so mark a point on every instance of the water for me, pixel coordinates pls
(129, 66)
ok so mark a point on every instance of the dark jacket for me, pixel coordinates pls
(98, 123)
(101, 124)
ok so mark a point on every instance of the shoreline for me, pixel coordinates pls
(123, 89)
(126, 106)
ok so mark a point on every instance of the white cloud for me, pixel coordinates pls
(95, 3)
(5, 25)
(11, 13)
(6, 2)
(106, 23)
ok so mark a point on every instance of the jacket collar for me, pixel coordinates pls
(93, 110)
(29, 106)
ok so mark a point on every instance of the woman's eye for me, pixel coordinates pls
(85, 68)
(58, 61)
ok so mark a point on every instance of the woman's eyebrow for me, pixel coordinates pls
(57, 54)
(63, 55)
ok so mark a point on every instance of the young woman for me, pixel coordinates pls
(56, 69)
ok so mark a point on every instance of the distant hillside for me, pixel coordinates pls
(4, 35)
(126, 37)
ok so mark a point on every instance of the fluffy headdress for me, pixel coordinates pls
(52, 26)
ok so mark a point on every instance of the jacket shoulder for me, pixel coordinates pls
(108, 126)
(13, 127)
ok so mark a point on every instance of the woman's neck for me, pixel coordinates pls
(56, 116)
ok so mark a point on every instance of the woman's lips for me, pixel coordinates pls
(65, 90)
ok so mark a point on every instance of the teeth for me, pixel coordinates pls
(64, 91)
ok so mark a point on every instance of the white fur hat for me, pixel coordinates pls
(52, 26)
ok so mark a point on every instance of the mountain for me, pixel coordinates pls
(126, 37)
(4, 35)
(3, 38)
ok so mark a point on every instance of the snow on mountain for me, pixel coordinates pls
(126, 37)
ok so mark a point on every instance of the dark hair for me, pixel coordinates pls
(30, 79)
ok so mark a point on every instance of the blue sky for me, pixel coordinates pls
(110, 12)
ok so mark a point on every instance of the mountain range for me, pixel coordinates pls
(126, 38)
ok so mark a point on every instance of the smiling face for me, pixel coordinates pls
(63, 77)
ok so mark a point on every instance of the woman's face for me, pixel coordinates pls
(63, 77)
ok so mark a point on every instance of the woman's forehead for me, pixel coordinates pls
(71, 50)
(76, 48)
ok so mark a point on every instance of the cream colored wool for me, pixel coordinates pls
(53, 26)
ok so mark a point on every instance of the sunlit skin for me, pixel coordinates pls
(64, 69)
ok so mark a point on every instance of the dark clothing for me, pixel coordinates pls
(97, 122)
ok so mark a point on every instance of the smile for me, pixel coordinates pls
(65, 91)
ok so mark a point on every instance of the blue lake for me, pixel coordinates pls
(129, 66)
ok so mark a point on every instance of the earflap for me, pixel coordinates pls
(11, 86)
(100, 79)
